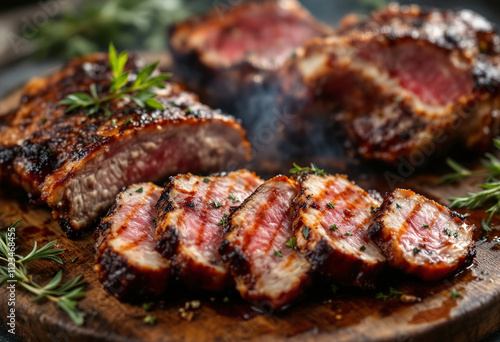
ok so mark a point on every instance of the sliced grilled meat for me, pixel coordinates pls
(127, 263)
(234, 48)
(422, 237)
(332, 216)
(77, 163)
(259, 247)
(405, 84)
(191, 215)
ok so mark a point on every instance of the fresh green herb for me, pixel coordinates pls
(330, 205)
(398, 206)
(416, 250)
(233, 198)
(447, 231)
(485, 226)
(334, 227)
(146, 306)
(140, 190)
(313, 168)
(140, 91)
(455, 234)
(291, 243)
(463, 172)
(43, 120)
(65, 295)
(305, 232)
(455, 294)
(150, 319)
(395, 293)
(348, 233)
(381, 296)
(372, 208)
(425, 226)
(206, 180)
(216, 204)
(278, 254)
(74, 259)
(362, 248)
(129, 120)
(188, 110)
(223, 221)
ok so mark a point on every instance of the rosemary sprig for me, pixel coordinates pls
(313, 168)
(140, 91)
(490, 193)
(64, 295)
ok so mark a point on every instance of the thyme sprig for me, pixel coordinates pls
(313, 168)
(64, 295)
(140, 91)
(490, 193)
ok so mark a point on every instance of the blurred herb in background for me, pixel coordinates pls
(133, 24)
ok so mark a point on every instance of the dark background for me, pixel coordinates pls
(17, 68)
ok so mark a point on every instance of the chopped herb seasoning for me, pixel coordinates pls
(314, 169)
(455, 234)
(188, 110)
(455, 294)
(291, 243)
(381, 296)
(362, 248)
(150, 319)
(278, 254)
(334, 227)
(305, 232)
(43, 120)
(330, 205)
(447, 231)
(425, 226)
(416, 250)
(74, 259)
(398, 206)
(372, 208)
(140, 190)
(206, 180)
(216, 204)
(348, 233)
(232, 198)
(222, 222)
(398, 99)
(395, 293)
(146, 306)
(126, 122)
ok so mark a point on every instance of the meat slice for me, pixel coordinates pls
(225, 53)
(127, 263)
(191, 215)
(78, 162)
(259, 247)
(422, 237)
(405, 84)
(332, 216)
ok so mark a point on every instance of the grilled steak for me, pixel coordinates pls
(405, 84)
(127, 263)
(259, 247)
(421, 236)
(77, 163)
(331, 222)
(234, 48)
(191, 215)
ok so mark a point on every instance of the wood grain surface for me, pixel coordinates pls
(322, 315)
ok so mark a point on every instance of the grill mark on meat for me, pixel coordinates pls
(431, 252)
(256, 229)
(191, 211)
(126, 261)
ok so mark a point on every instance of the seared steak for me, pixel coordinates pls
(127, 263)
(404, 84)
(191, 215)
(77, 163)
(421, 236)
(234, 48)
(332, 216)
(260, 247)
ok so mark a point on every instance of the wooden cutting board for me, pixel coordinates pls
(322, 315)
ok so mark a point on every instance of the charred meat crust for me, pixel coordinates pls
(384, 241)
